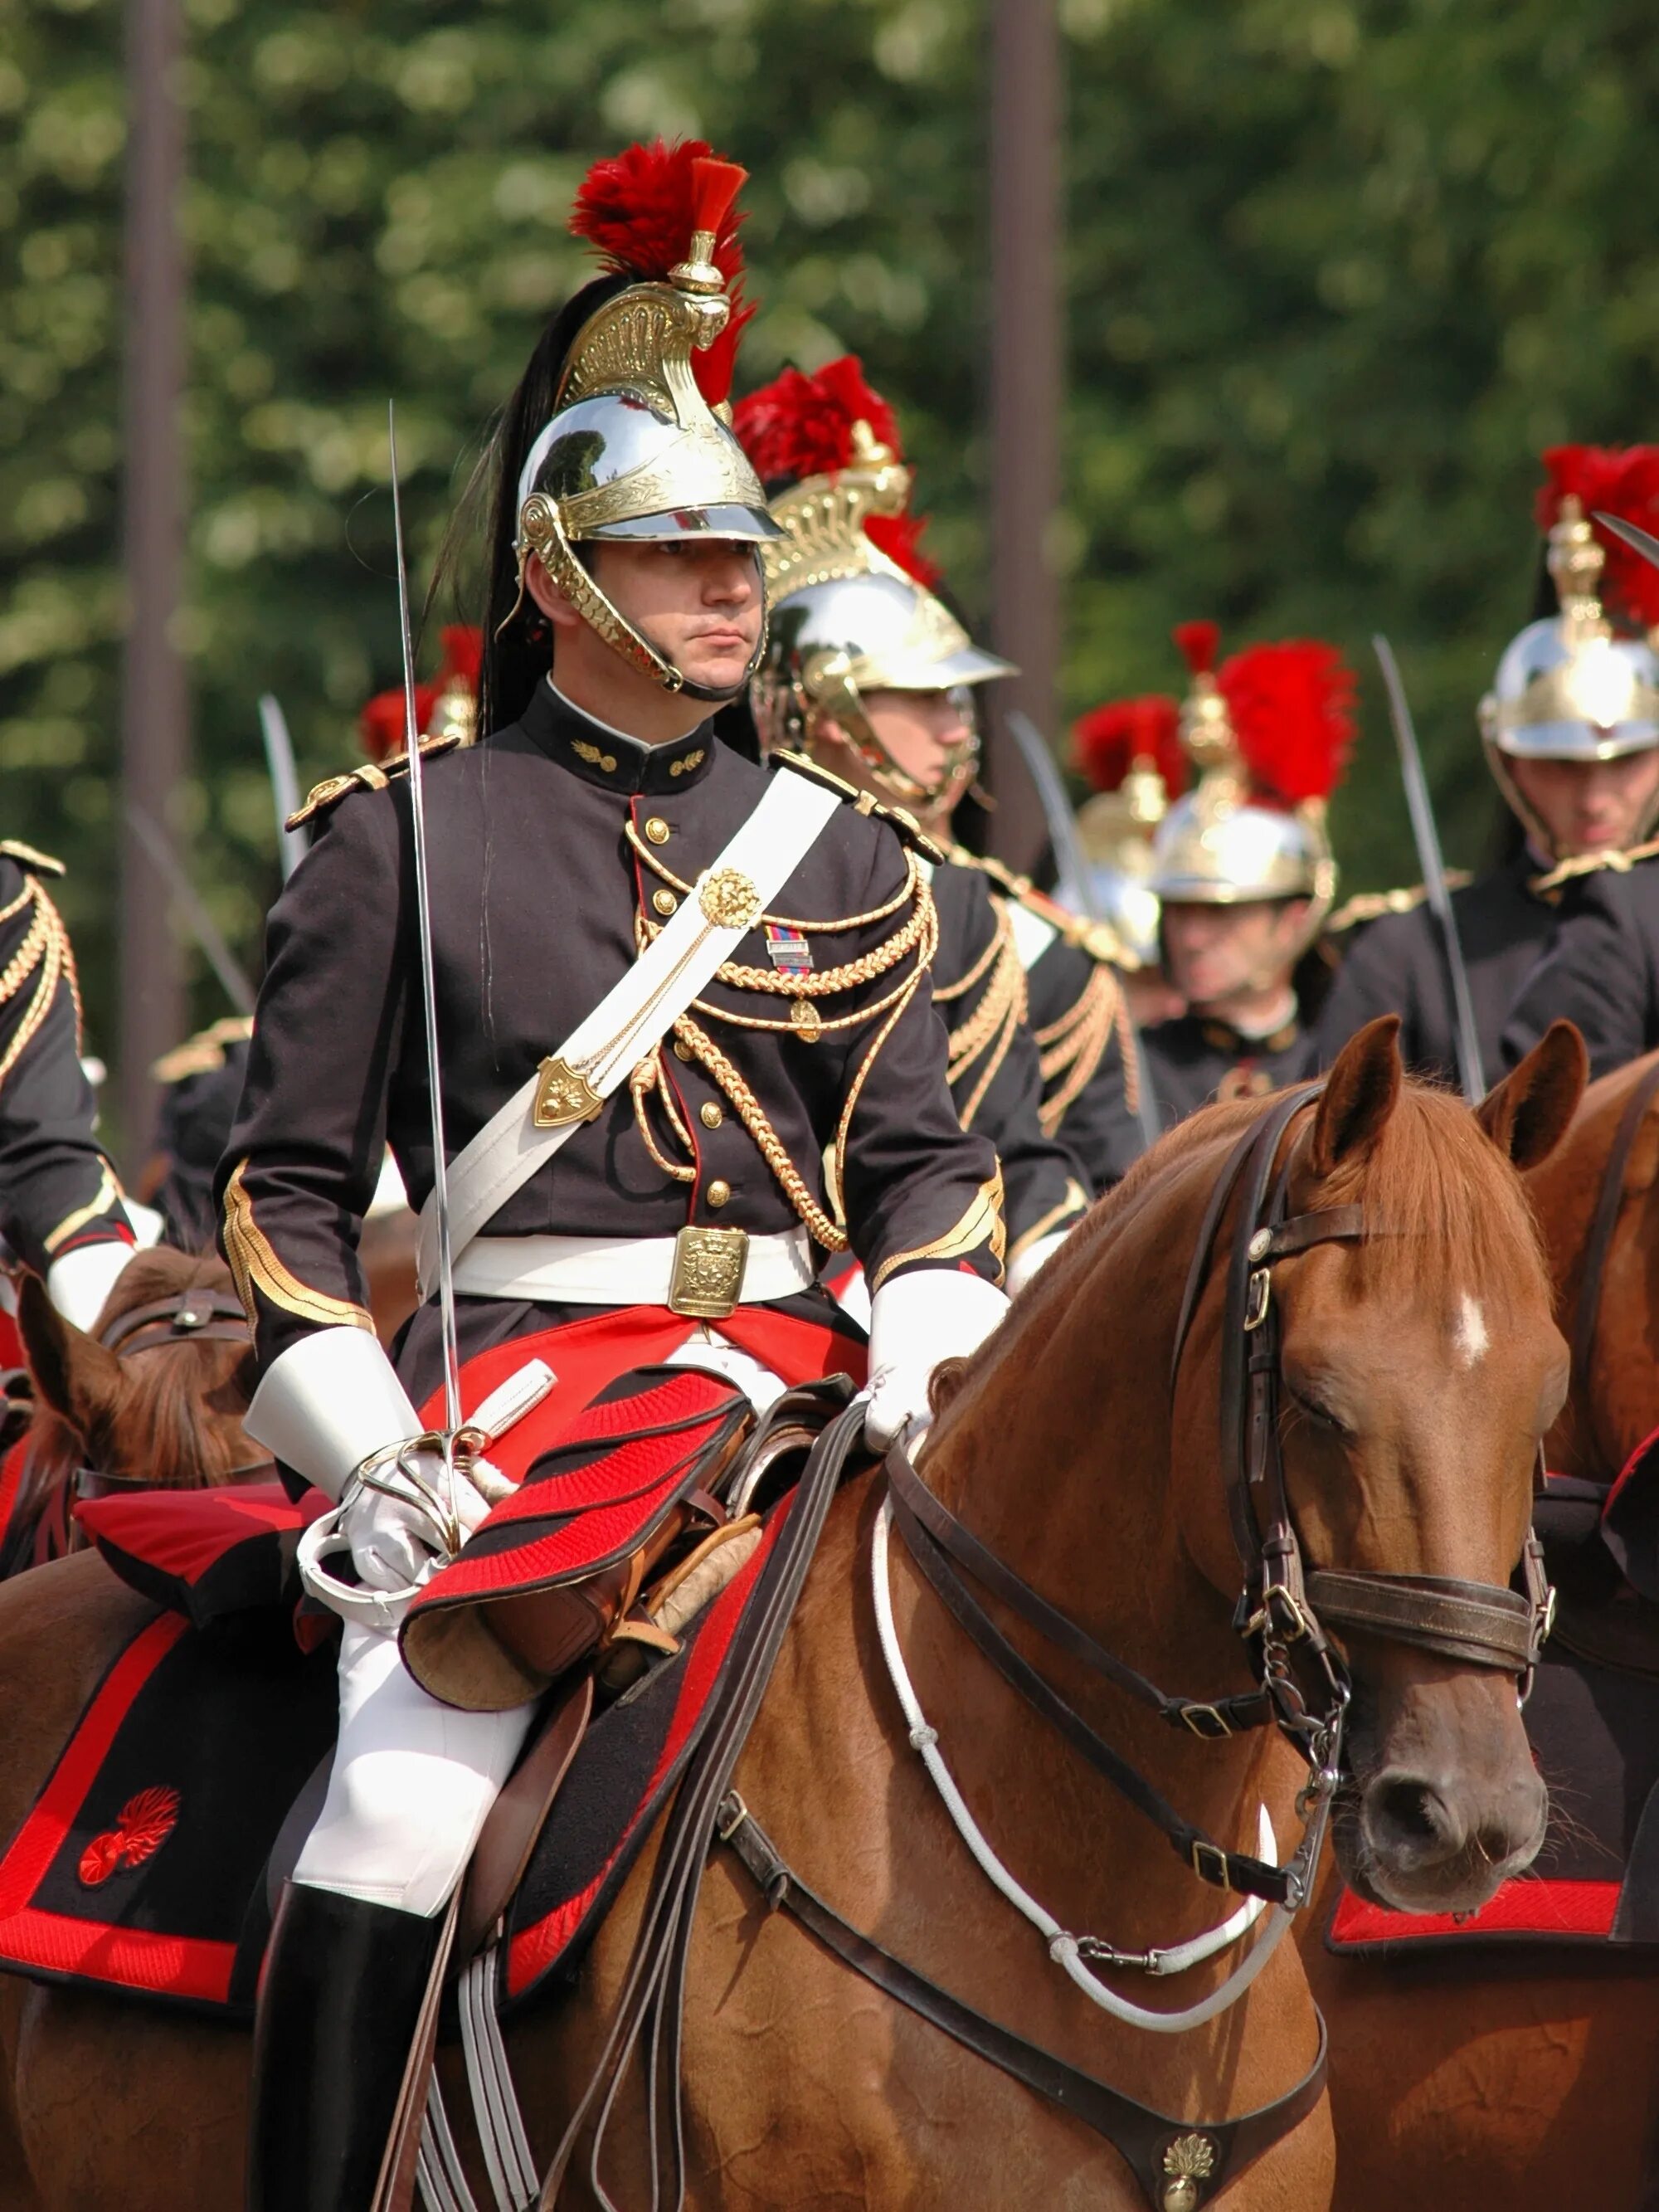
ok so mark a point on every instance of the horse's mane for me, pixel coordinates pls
(175, 1391)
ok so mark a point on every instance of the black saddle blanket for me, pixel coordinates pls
(142, 1865)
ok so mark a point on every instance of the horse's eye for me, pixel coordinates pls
(1323, 1417)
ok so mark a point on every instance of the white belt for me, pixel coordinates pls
(702, 1272)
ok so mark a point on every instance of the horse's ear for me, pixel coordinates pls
(78, 1378)
(1360, 1093)
(1527, 1114)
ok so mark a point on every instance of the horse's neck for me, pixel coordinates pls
(1058, 1458)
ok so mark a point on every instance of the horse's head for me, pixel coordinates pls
(1419, 1367)
(155, 1394)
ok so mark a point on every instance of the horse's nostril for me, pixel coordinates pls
(1407, 1814)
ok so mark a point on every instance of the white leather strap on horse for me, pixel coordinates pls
(621, 1271)
(572, 1084)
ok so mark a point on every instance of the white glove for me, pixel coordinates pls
(82, 1280)
(394, 1537)
(915, 1321)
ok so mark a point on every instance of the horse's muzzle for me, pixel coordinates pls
(1433, 1841)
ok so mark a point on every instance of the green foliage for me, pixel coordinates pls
(1337, 272)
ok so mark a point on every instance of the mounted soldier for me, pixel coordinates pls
(1243, 868)
(607, 878)
(870, 674)
(62, 1209)
(1570, 732)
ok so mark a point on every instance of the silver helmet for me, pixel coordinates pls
(632, 450)
(1568, 688)
(847, 619)
(1236, 836)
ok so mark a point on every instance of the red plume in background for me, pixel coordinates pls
(463, 644)
(898, 536)
(380, 724)
(1197, 642)
(1621, 480)
(802, 426)
(1292, 708)
(1108, 742)
(639, 209)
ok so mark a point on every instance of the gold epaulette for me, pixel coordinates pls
(864, 802)
(205, 1051)
(1097, 939)
(1620, 861)
(1371, 906)
(373, 775)
(40, 863)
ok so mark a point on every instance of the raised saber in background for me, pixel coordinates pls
(1638, 540)
(1470, 1074)
(292, 845)
(428, 980)
(1075, 871)
(233, 978)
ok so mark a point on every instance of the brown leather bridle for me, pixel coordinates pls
(200, 1313)
(1283, 1602)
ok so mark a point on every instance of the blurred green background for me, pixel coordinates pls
(1337, 272)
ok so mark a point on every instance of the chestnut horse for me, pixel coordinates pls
(1073, 1450)
(152, 1397)
(1513, 2080)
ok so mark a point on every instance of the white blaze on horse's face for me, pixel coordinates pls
(1469, 1337)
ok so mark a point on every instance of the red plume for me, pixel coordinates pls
(1292, 710)
(380, 724)
(1621, 480)
(898, 536)
(463, 644)
(1197, 641)
(639, 209)
(1106, 743)
(802, 426)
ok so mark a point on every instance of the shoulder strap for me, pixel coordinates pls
(640, 1009)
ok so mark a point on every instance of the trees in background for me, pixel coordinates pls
(1337, 272)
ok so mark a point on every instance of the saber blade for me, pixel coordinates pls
(292, 845)
(1069, 860)
(428, 979)
(1470, 1074)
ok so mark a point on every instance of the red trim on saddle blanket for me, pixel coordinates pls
(1529, 1907)
(531, 1952)
(1628, 1470)
(11, 1341)
(184, 1532)
(132, 1957)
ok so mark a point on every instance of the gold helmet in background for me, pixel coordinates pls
(852, 609)
(1130, 752)
(1571, 687)
(1268, 733)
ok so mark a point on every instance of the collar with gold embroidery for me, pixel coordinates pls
(607, 758)
(1226, 1038)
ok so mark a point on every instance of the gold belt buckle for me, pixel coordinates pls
(707, 1278)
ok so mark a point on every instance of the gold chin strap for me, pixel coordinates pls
(938, 800)
(541, 532)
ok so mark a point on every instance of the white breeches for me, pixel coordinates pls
(411, 1783)
(413, 1779)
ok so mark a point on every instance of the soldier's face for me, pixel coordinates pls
(1590, 806)
(698, 600)
(1216, 953)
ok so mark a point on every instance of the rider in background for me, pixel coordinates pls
(1571, 731)
(1242, 869)
(871, 673)
(62, 1210)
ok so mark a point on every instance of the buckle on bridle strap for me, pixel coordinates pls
(1205, 1722)
(1209, 1863)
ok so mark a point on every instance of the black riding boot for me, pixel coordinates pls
(339, 2004)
